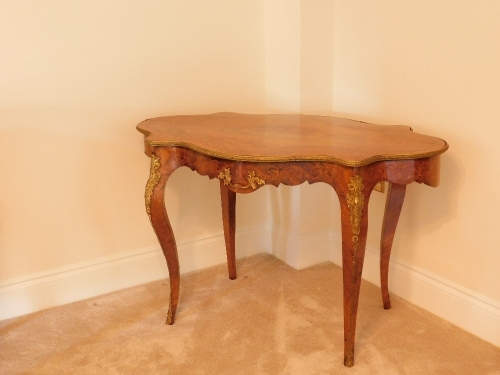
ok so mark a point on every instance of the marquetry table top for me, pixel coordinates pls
(282, 138)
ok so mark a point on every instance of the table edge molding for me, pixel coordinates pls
(275, 159)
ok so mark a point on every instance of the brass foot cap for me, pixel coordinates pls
(349, 361)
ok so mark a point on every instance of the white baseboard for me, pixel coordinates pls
(285, 246)
(85, 280)
(468, 310)
(464, 308)
(301, 251)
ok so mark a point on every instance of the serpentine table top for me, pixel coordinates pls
(246, 152)
(279, 138)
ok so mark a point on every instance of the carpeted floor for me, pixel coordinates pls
(271, 320)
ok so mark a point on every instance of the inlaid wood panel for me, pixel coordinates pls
(278, 138)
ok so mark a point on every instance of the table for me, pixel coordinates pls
(246, 152)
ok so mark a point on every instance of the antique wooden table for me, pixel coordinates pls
(246, 152)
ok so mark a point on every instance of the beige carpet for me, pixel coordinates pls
(271, 320)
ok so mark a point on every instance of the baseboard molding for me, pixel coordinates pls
(301, 251)
(464, 308)
(85, 280)
(285, 246)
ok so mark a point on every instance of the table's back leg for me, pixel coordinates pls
(394, 203)
(155, 207)
(228, 200)
(354, 218)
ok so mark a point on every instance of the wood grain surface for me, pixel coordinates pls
(280, 138)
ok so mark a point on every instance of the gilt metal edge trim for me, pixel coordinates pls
(278, 159)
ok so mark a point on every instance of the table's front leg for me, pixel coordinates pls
(354, 216)
(228, 200)
(155, 208)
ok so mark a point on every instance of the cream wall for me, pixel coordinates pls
(299, 79)
(75, 79)
(433, 65)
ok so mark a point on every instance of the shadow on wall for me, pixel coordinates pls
(426, 210)
(193, 204)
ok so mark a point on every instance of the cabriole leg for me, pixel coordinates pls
(354, 228)
(155, 208)
(393, 205)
